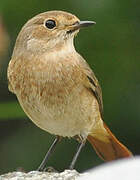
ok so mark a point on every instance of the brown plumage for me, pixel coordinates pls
(55, 86)
(111, 149)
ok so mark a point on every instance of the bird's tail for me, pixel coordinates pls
(107, 146)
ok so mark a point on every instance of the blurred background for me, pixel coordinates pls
(112, 48)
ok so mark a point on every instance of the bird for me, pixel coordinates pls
(56, 87)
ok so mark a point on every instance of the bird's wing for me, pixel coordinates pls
(106, 144)
(93, 85)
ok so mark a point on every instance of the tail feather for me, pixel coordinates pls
(111, 149)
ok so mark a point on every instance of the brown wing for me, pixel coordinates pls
(97, 93)
(111, 149)
(94, 85)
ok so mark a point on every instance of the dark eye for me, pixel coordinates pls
(50, 24)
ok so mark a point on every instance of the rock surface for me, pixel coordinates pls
(36, 175)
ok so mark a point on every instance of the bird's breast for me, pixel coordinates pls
(53, 95)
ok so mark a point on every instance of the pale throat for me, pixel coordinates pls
(55, 47)
(62, 49)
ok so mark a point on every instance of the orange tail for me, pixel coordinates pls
(111, 149)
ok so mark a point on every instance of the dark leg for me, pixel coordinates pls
(76, 155)
(50, 151)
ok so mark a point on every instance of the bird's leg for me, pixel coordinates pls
(50, 151)
(80, 146)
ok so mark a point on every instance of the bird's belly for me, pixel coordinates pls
(68, 115)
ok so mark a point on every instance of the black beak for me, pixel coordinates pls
(80, 24)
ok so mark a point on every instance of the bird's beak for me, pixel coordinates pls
(82, 24)
(79, 25)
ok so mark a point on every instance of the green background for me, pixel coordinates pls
(112, 48)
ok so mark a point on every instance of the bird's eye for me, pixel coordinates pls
(50, 24)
